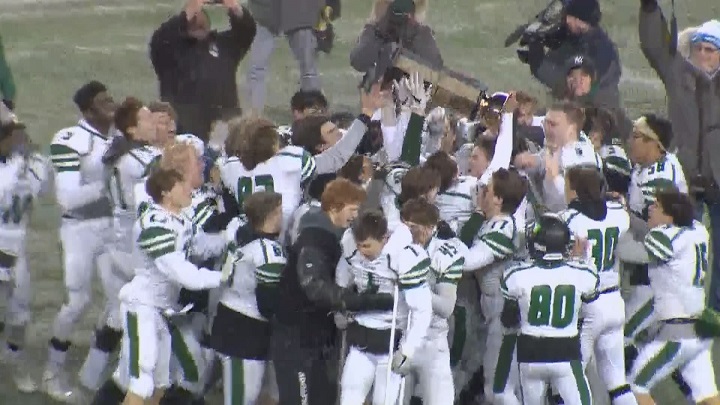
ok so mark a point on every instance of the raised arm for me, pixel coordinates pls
(655, 39)
(241, 33)
(367, 49)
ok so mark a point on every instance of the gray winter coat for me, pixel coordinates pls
(282, 16)
(418, 39)
(692, 95)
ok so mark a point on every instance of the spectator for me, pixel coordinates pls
(399, 22)
(196, 66)
(7, 83)
(294, 19)
(691, 81)
(586, 38)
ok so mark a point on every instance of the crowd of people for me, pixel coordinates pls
(404, 254)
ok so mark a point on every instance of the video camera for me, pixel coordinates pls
(547, 28)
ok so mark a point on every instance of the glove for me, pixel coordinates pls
(420, 95)
(400, 363)
(342, 320)
(444, 231)
(367, 302)
(403, 92)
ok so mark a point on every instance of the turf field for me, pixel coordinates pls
(53, 46)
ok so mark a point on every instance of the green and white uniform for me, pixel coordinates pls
(457, 203)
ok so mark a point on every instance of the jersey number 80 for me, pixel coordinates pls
(550, 307)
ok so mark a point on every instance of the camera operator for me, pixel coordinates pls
(691, 78)
(395, 22)
(584, 37)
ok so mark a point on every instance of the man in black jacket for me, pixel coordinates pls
(304, 341)
(196, 66)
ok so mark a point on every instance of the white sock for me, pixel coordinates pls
(93, 370)
(56, 360)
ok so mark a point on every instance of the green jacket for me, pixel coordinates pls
(7, 84)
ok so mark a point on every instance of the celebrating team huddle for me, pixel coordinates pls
(244, 266)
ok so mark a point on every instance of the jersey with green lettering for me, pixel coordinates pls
(679, 261)
(645, 181)
(498, 237)
(457, 203)
(79, 150)
(284, 173)
(447, 258)
(399, 263)
(29, 176)
(259, 262)
(550, 295)
(602, 236)
(121, 179)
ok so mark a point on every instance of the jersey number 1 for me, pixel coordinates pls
(249, 185)
(550, 307)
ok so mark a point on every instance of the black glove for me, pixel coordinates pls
(367, 302)
(9, 103)
(444, 231)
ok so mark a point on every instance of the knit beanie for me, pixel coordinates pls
(585, 10)
(708, 32)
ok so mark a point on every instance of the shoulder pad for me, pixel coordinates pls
(74, 138)
(154, 217)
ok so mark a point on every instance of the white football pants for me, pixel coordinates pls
(431, 364)
(639, 309)
(242, 380)
(112, 279)
(658, 359)
(499, 362)
(81, 242)
(189, 362)
(601, 337)
(568, 378)
(17, 292)
(363, 372)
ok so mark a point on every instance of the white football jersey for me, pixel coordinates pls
(615, 159)
(580, 153)
(390, 193)
(447, 258)
(259, 262)
(646, 181)
(122, 178)
(498, 238)
(399, 263)
(550, 295)
(283, 173)
(679, 261)
(80, 149)
(602, 236)
(457, 203)
(29, 177)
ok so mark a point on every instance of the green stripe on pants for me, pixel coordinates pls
(664, 356)
(459, 335)
(502, 370)
(183, 355)
(131, 323)
(638, 317)
(237, 379)
(582, 383)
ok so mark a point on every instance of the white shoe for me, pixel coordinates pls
(24, 382)
(56, 386)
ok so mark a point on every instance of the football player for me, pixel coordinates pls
(590, 217)
(543, 300)
(127, 160)
(655, 170)
(456, 195)
(165, 238)
(76, 154)
(677, 245)
(417, 182)
(24, 175)
(491, 249)
(256, 162)
(372, 263)
(241, 331)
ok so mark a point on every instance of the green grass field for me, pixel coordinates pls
(53, 46)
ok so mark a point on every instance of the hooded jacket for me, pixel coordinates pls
(693, 96)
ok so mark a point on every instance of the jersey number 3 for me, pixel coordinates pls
(249, 185)
(550, 307)
(603, 247)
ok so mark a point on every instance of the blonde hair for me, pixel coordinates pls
(177, 156)
(379, 8)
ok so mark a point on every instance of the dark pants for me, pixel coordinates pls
(198, 119)
(713, 292)
(304, 376)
